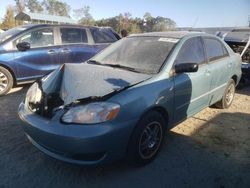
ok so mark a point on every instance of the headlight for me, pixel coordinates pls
(92, 113)
(34, 94)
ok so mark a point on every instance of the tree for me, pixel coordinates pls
(148, 22)
(134, 28)
(9, 20)
(111, 22)
(125, 20)
(83, 16)
(163, 24)
(56, 7)
(20, 6)
(34, 6)
(122, 21)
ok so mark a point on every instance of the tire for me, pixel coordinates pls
(142, 149)
(6, 81)
(228, 96)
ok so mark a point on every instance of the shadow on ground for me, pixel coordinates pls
(185, 161)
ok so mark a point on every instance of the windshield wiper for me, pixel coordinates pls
(122, 67)
(92, 61)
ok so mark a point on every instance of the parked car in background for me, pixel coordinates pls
(122, 101)
(239, 40)
(31, 51)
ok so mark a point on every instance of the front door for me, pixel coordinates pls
(191, 89)
(41, 58)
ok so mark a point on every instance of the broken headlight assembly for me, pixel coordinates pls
(91, 113)
(34, 94)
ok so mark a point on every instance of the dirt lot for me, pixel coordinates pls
(211, 149)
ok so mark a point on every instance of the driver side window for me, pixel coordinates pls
(38, 38)
(192, 51)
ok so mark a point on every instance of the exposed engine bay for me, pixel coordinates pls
(74, 84)
(239, 41)
(238, 48)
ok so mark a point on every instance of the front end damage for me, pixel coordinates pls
(42, 97)
(239, 41)
(73, 84)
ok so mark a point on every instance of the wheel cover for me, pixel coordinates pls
(150, 140)
(3, 81)
(230, 94)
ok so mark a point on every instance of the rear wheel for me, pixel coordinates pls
(6, 81)
(147, 139)
(228, 96)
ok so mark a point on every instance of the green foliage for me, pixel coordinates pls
(9, 20)
(122, 21)
(83, 16)
(20, 6)
(137, 25)
(163, 24)
(125, 21)
(34, 6)
(56, 7)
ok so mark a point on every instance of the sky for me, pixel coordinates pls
(186, 13)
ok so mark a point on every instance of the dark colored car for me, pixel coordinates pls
(239, 41)
(31, 51)
(121, 102)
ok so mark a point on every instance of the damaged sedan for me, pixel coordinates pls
(239, 41)
(121, 102)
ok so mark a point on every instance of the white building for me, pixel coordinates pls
(38, 18)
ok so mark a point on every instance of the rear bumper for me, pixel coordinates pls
(79, 144)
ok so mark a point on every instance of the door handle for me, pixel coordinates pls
(51, 52)
(230, 64)
(65, 50)
(208, 72)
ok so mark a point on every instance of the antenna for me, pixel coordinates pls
(197, 19)
(249, 21)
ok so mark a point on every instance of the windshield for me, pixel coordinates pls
(143, 54)
(7, 34)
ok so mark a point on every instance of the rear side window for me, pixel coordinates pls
(103, 35)
(73, 35)
(192, 51)
(215, 49)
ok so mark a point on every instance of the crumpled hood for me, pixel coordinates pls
(237, 37)
(80, 81)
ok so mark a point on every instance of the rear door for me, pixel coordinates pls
(220, 65)
(75, 47)
(191, 89)
(41, 58)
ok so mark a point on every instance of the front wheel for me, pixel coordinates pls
(6, 81)
(147, 138)
(228, 96)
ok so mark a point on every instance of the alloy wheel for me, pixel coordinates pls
(230, 94)
(3, 82)
(150, 140)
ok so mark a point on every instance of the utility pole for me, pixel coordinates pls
(249, 21)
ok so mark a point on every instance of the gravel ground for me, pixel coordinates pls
(212, 149)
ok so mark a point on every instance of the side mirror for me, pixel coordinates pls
(186, 67)
(23, 46)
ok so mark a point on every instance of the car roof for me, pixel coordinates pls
(29, 26)
(170, 34)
